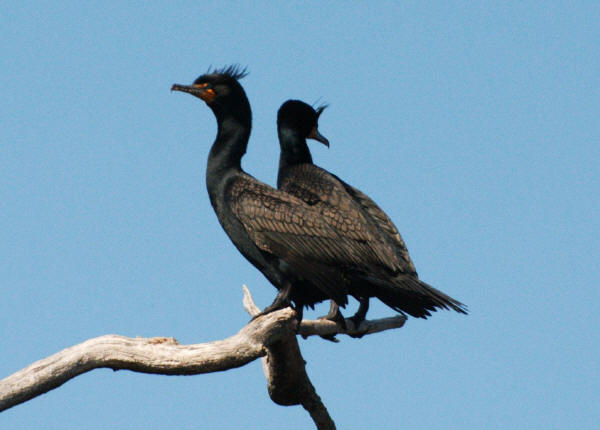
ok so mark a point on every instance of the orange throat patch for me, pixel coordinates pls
(207, 95)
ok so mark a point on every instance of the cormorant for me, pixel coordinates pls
(384, 269)
(285, 238)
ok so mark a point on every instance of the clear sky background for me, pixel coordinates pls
(475, 126)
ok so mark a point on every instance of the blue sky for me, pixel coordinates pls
(475, 126)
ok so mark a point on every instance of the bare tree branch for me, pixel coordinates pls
(154, 355)
(271, 336)
(287, 380)
(323, 327)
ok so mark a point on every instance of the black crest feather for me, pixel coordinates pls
(223, 75)
(319, 109)
(234, 71)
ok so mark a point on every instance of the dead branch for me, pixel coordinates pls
(326, 327)
(271, 336)
(287, 381)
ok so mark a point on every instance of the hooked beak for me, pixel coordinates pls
(186, 89)
(314, 134)
(203, 93)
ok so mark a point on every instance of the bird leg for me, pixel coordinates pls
(282, 300)
(336, 316)
(299, 308)
(360, 314)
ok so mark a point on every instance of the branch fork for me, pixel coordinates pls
(271, 337)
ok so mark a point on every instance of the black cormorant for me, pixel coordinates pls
(384, 269)
(289, 241)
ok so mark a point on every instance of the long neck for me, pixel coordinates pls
(294, 149)
(234, 121)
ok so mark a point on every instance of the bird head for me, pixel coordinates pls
(299, 117)
(216, 88)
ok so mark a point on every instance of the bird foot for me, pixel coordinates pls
(337, 317)
(357, 321)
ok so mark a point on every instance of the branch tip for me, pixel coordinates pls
(248, 302)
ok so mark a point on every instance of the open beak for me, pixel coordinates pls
(314, 134)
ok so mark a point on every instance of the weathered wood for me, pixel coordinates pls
(155, 355)
(323, 327)
(287, 381)
(272, 337)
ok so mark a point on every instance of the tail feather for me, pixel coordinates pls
(410, 295)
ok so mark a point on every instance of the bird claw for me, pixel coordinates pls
(357, 321)
(338, 319)
(330, 338)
